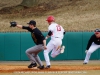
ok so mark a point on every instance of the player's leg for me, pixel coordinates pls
(46, 53)
(30, 53)
(62, 49)
(55, 52)
(37, 58)
(30, 56)
(57, 48)
(93, 48)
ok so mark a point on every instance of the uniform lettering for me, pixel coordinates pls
(58, 28)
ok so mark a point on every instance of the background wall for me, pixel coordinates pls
(14, 44)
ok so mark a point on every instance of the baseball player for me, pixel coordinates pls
(56, 32)
(38, 39)
(93, 45)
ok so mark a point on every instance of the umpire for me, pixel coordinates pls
(38, 39)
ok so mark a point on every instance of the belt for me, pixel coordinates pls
(56, 37)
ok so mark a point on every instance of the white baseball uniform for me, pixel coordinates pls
(55, 42)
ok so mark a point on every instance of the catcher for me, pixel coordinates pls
(38, 39)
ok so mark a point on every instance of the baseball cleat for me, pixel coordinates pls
(32, 65)
(41, 67)
(84, 63)
(62, 49)
(47, 67)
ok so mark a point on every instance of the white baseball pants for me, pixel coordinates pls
(92, 48)
(54, 46)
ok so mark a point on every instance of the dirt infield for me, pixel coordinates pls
(13, 67)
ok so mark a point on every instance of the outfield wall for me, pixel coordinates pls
(14, 44)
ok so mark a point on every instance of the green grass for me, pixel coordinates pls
(75, 15)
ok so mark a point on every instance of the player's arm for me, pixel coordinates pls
(14, 24)
(19, 26)
(44, 43)
(90, 42)
(49, 34)
(64, 33)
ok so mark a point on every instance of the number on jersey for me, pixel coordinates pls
(58, 28)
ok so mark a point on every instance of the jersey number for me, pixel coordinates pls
(58, 28)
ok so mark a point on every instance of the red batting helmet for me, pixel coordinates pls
(50, 19)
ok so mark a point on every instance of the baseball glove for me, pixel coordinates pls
(13, 24)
